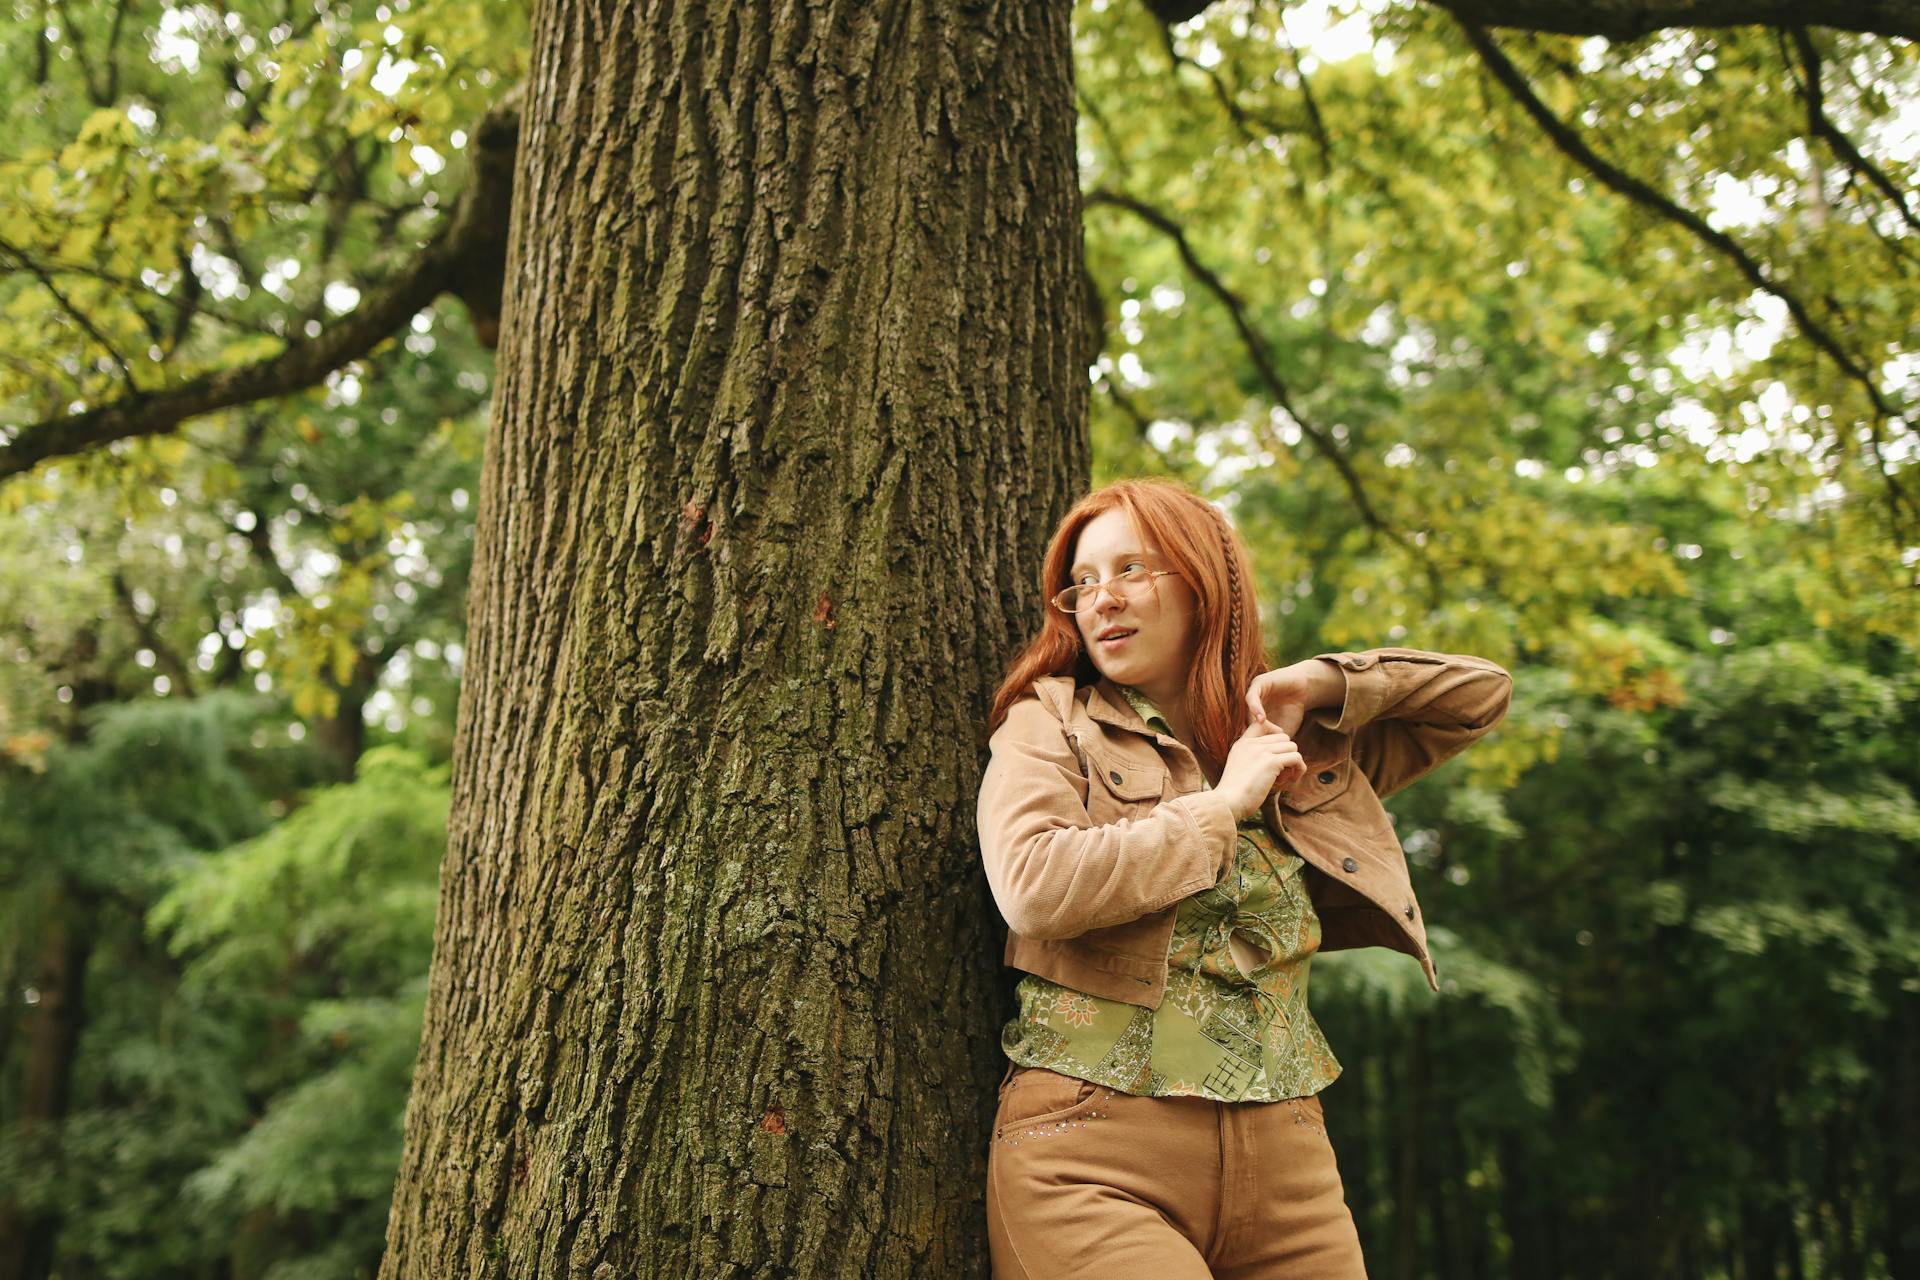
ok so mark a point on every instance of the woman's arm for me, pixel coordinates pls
(1406, 711)
(1054, 874)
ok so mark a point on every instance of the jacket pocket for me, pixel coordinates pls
(1120, 787)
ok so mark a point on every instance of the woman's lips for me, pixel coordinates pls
(1116, 641)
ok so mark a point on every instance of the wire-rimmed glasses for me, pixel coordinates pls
(1131, 585)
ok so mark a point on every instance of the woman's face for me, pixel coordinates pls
(1155, 656)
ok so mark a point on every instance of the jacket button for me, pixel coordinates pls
(1348, 864)
(1328, 776)
(1409, 910)
(1115, 777)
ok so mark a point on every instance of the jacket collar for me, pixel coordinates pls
(1107, 704)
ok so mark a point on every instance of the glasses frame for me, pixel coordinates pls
(1095, 588)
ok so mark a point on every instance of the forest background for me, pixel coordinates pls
(1587, 355)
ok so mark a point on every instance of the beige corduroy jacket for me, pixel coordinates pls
(1093, 827)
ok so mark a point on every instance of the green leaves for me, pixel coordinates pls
(348, 878)
(1508, 355)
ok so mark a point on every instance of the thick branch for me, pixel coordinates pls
(1172, 11)
(1631, 19)
(466, 259)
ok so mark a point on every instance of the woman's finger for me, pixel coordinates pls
(1254, 704)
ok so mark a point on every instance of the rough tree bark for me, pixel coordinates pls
(793, 386)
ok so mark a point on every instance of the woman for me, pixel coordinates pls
(1172, 831)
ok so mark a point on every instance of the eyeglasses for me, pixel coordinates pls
(1131, 585)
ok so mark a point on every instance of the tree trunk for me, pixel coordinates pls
(1351, 1132)
(1900, 1237)
(1518, 1196)
(1444, 1199)
(343, 735)
(792, 389)
(1407, 1200)
(52, 1043)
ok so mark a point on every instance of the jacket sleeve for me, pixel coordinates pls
(1053, 873)
(1408, 710)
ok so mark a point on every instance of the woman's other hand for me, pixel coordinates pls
(1281, 699)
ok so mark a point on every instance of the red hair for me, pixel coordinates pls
(1193, 537)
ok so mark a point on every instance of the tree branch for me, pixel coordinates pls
(1328, 269)
(169, 662)
(1091, 111)
(113, 51)
(1821, 126)
(79, 317)
(79, 53)
(259, 538)
(1243, 118)
(1631, 19)
(48, 385)
(1127, 405)
(1575, 148)
(184, 302)
(465, 258)
(1255, 344)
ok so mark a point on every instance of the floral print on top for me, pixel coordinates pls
(1233, 1025)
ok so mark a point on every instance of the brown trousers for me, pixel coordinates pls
(1087, 1181)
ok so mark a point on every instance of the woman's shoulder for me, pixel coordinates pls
(1046, 706)
(1056, 694)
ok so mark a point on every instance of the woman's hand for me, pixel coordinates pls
(1260, 759)
(1281, 699)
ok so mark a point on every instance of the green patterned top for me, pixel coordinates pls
(1233, 1025)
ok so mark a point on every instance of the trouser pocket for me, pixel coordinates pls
(1036, 1102)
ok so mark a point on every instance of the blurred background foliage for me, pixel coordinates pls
(1456, 390)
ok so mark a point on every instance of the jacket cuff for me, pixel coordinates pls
(1366, 695)
(1212, 818)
